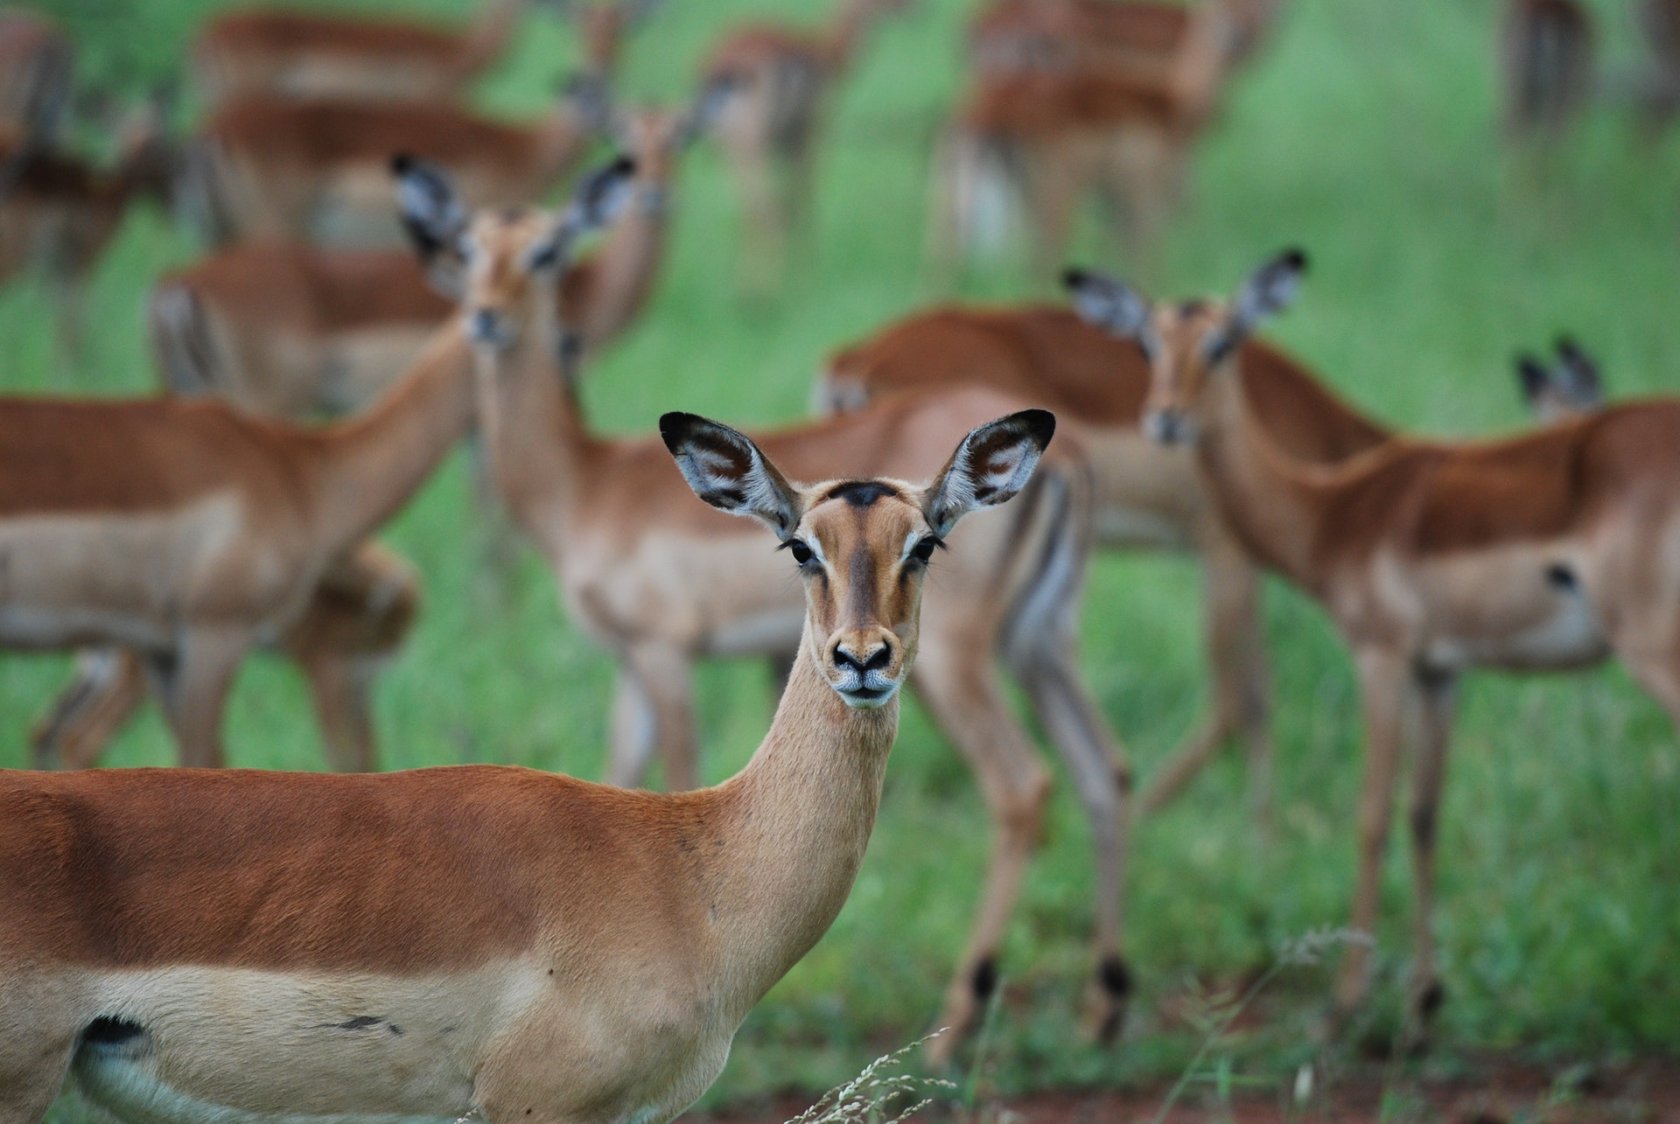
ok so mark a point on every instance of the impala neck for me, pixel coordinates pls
(793, 828)
(367, 468)
(1270, 500)
(486, 38)
(1199, 70)
(540, 447)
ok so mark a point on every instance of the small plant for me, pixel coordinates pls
(871, 1095)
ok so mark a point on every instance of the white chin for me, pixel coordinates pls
(872, 701)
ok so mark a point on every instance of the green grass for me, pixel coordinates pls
(1366, 133)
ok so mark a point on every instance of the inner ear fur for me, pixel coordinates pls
(990, 466)
(727, 469)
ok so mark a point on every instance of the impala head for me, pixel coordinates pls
(1567, 389)
(655, 137)
(1189, 343)
(501, 260)
(862, 546)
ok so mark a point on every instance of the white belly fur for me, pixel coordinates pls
(232, 1046)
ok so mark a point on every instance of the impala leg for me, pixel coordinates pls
(340, 689)
(1437, 695)
(1383, 678)
(1240, 682)
(1102, 777)
(108, 687)
(653, 712)
(193, 687)
(1053, 196)
(966, 701)
(35, 1053)
(763, 218)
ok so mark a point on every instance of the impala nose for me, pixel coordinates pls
(1169, 427)
(485, 326)
(861, 663)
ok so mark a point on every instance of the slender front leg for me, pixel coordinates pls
(340, 690)
(1383, 680)
(109, 686)
(1239, 680)
(960, 688)
(193, 687)
(1102, 776)
(653, 713)
(1437, 695)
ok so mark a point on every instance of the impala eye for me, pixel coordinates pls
(802, 554)
(923, 551)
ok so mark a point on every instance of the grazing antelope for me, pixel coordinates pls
(1547, 50)
(781, 78)
(1148, 496)
(276, 168)
(1563, 391)
(36, 60)
(478, 940)
(190, 532)
(663, 586)
(1039, 142)
(58, 214)
(1547, 551)
(356, 621)
(297, 331)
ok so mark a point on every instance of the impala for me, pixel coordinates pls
(1548, 551)
(1547, 52)
(1148, 496)
(663, 585)
(356, 621)
(1044, 140)
(269, 167)
(58, 214)
(1068, 34)
(190, 532)
(35, 64)
(477, 939)
(781, 78)
(1567, 389)
(295, 331)
(296, 53)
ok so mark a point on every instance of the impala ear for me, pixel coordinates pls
(991, 465)
(1579, 375)
(1534, 380)
(432, 211)
(708, 103)
(1108, 303)
(588, 96)
(1267, 292)
(596, 202)
(728, 471)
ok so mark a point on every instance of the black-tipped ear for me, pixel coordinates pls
(601, 194)
(432, 211)
(1532, 378)
(727, 470)
(708, 103)
(1579, 375)
(1108, 303)
(991, 465)
(1271, 288)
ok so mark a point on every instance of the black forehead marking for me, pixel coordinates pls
(862, 493)
(1192, 307)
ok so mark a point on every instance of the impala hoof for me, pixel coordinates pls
(1106, 998)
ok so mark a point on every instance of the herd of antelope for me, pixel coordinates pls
(207, 944)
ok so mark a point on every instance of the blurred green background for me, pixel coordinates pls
(1365, 132)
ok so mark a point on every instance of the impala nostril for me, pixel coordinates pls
(880, 659)
(483, 324)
